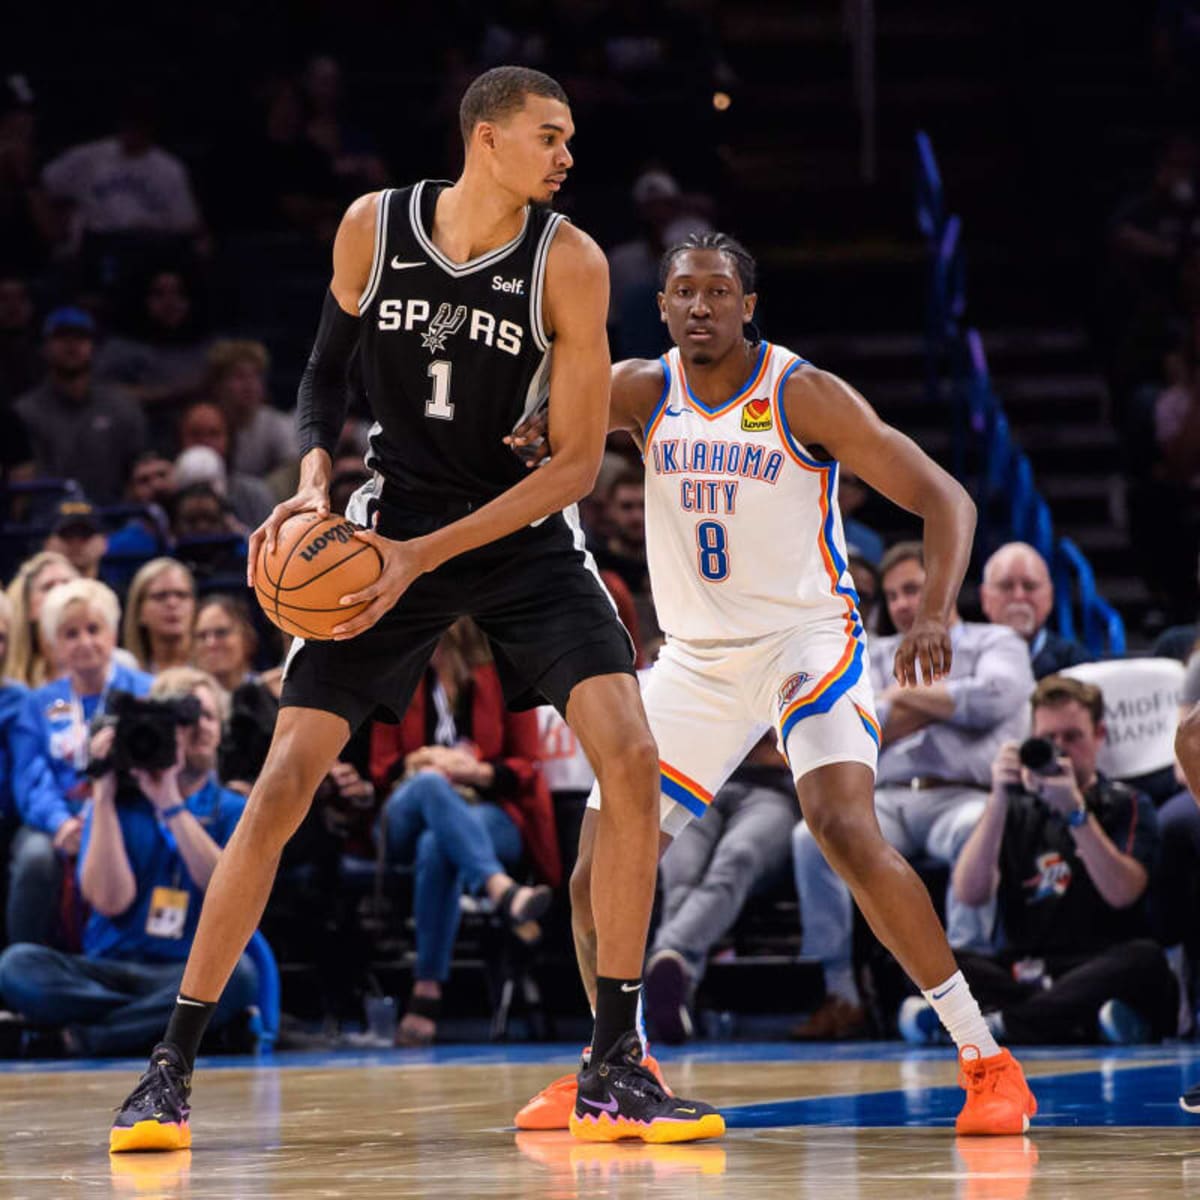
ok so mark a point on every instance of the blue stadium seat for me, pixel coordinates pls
(930, 200)
(1103, 631)
(980, 426)
(259, 951)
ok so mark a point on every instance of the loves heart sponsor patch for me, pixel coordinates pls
(756, 416)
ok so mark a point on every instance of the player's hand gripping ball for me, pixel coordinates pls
(316, 561)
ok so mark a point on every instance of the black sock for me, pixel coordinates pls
(616, 1012)
(189, 1020)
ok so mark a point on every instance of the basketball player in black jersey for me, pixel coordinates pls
(470, 303)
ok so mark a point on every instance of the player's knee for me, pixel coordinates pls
(630, 770)
(279, 801)
(842, 836)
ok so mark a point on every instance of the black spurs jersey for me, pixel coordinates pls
(454, 355)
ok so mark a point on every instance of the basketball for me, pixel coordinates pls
(315, 562)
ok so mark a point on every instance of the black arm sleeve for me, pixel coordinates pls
(321, 404)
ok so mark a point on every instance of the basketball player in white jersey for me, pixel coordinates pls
(742, 441)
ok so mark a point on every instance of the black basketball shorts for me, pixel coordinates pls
(535, 594)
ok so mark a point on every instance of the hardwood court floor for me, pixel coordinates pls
(860, 1122)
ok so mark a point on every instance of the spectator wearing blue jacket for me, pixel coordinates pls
(147, 852)
(78, 623)
(12, 702)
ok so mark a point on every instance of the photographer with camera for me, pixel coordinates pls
(150, 841)
(78, 623)
(1067, 852)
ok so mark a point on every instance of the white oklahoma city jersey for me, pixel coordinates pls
(743, 533)
(748, 569)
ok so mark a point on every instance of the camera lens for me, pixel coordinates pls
(143, 743)
(1036, 753)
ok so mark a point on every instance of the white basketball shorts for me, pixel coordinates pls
(709, 702)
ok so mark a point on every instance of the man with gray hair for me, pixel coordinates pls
(1017, 591)
(78, 625)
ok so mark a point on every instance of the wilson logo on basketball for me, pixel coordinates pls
(791, 688)
(756, 416)
(340, 534)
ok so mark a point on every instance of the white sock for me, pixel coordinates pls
(839, 981)
(959, 1012)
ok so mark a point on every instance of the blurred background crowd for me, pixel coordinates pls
(165, 230)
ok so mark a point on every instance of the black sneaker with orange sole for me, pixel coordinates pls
(155, 1114)
(619, 1097)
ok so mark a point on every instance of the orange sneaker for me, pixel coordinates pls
(998, 1098)
(551, 1108)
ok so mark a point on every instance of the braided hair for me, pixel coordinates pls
(742, 259)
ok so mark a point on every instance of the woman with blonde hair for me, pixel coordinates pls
(159, 612)
(78, 623)
(28, 662)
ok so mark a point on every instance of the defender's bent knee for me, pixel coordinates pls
(847, 839)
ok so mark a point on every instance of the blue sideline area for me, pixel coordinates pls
(1130, 1087)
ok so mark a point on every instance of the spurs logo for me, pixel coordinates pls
(444, 324)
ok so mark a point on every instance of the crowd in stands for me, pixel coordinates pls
(145, 433)
(1070, 897)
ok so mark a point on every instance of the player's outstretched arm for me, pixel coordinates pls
(321, 404)
(636, 385)
(823, 410)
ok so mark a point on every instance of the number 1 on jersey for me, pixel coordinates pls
(712, 551)
(440, 405)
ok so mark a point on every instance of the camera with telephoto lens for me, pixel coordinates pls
(145, 732)
(1038, 755)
